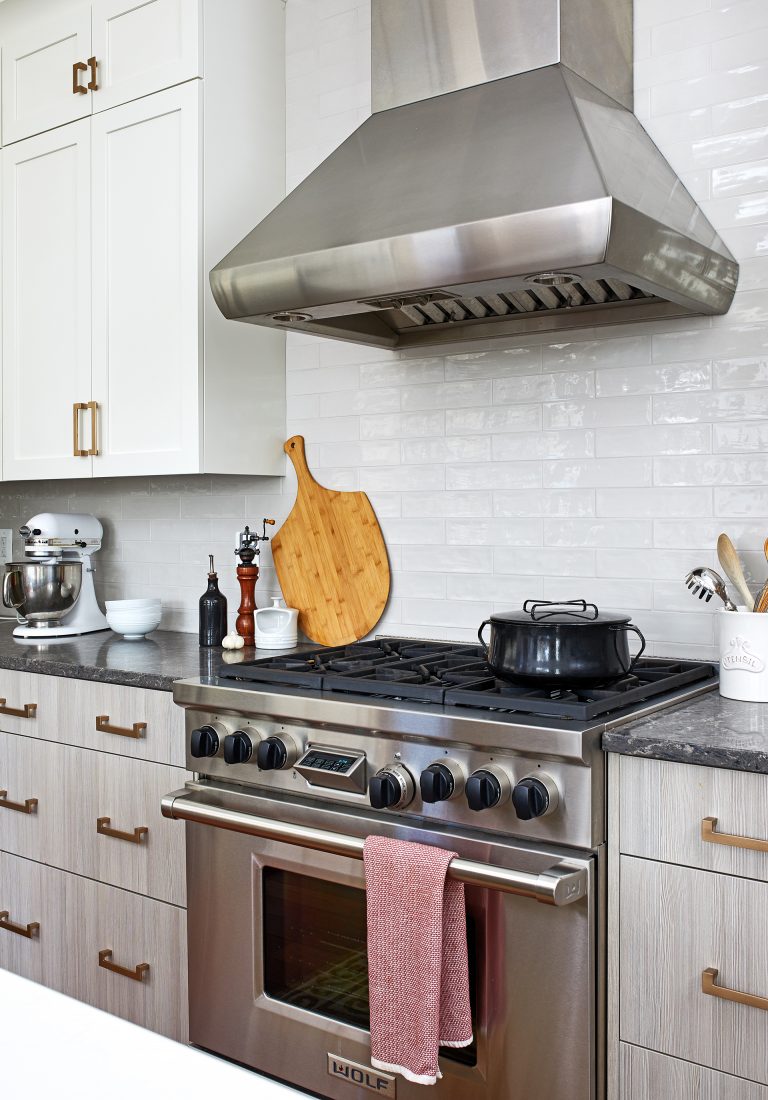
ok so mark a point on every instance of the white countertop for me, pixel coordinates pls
(53, 1046)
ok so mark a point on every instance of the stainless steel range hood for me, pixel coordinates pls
(502, 186)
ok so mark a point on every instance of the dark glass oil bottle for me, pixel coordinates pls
(213, 611)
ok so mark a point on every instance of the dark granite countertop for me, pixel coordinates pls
(154, 662)
(710, 730)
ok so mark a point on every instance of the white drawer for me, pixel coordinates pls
(663, 805)
(83, 799)
(78, 921)
(677, 923)
(646, 1075)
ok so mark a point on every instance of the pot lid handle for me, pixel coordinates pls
(577, 609)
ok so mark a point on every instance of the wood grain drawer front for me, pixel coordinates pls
(677, 922)
(33, 696)
(146, 938)
(663, 805)
(126, 721)
(646, 1075)
(128, 792)
(32, 894)
(27, 813)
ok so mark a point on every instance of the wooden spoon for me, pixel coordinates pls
(729, 559)
(761, 603)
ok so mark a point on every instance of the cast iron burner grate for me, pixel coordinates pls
(456, 675)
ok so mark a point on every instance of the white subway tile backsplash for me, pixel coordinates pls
(601, 464)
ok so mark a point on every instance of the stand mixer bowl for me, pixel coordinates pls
(42, 592)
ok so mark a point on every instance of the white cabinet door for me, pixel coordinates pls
(46, 304)
(147, 283)
(39, 75)
(142, 46)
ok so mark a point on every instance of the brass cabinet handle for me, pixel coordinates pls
(136, 837)
(77, 68)
(708, 833)
(25, 930)
(137, 974)
(29, 710)
(77, 408)
(92, 85)
(28, 806)
(93, 406)
(103, 726)
(708, 978)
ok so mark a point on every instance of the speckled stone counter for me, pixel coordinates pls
(155, 662)
(710, 730)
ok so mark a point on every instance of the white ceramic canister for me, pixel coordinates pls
(743, 640)
(276, 626)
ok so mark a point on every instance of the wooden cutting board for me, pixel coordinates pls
(330, 559)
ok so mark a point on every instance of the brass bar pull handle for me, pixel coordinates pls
(708, 833)
(29, 710)
(137, 974)
(77, 68)
(77, 408)
(93, 406)
(103, 726)
(708, 979)
(92, 84)
(25, 930)
(136, 837)
(28, 806)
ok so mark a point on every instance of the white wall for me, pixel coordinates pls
(602, 466)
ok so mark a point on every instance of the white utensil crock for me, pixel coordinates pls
(743, 655)
(276, 626)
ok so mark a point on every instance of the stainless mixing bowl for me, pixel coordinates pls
(42, 591)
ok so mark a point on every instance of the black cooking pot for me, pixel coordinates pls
(567, 645)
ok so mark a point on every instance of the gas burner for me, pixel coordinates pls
(457, 676)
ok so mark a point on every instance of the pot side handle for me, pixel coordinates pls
(641, 650)
(481, 639)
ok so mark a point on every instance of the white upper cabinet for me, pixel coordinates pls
(46, 74)
(47, 304)
(146, 291)
(142, 46)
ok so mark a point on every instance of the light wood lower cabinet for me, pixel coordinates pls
(646, 1075)
(142, 977)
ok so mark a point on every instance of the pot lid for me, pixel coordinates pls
(566, 612)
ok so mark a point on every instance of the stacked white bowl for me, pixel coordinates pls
(134, 618)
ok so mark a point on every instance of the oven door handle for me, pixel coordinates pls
(563, 883)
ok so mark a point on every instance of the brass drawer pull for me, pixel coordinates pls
(136, 837)
(93, 406)
(29, 710)
(92, 84)
(28, 806)
(77, 68)
(708, 833)
(77, 408)
(137, 975)
(103, 726)
(708, 978)
(25, 930)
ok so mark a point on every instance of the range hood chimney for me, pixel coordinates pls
(502, 186)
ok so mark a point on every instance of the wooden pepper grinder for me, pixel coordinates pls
(247, 575)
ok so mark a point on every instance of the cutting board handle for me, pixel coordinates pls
(294, 448)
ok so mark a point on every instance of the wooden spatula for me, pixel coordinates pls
(729, 559)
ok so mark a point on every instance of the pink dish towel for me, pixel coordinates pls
(418, 972)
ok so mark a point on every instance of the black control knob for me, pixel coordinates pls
(532, 798)
(437, 783)
(271, 754)
(204, 742)
(384, 791)
(238, 747)
(483, 790)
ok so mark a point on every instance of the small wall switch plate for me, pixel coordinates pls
(6, 545)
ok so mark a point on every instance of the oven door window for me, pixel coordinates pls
(315, 950)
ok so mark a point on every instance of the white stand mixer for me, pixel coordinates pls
(52, 601)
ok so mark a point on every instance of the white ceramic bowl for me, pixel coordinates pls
(132, 605)
(134, 624)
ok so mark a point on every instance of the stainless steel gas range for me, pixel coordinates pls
(300, 757)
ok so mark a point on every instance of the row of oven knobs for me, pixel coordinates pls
(393, 787)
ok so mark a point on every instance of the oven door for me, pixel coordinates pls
(278, 954)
